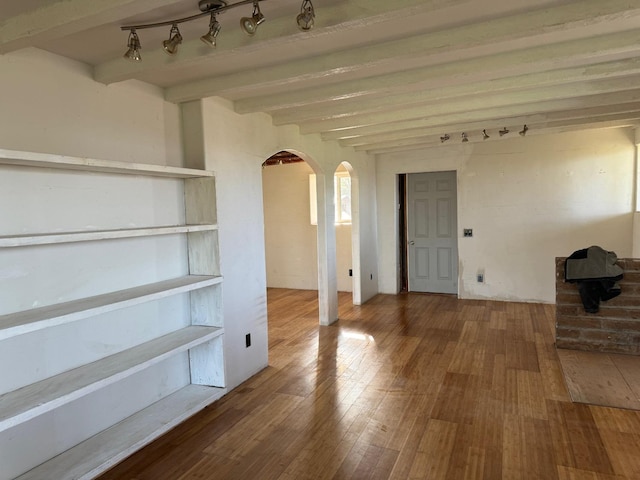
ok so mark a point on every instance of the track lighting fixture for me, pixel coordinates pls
(524, 131)
(133, 53)
(485, 135)
(306, 16)
(171, 45)
(464, 137)
(211, 8)
(214, 29)
(444, 138)
(250, 24)
(503, 132)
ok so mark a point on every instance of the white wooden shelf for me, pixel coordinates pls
(46, 160)
(94, 456)
(202, 339)
(28, 402)
(88, 236)
(28, 321)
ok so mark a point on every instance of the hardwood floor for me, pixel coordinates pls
(404, 387)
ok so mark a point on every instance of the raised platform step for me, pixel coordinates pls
(94, 456)
(28, 321)
(88, 236)
(32, 400)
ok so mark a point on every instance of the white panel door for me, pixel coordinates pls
(432, 232)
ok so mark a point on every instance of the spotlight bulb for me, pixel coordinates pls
(444, 138)
(133, 53)
(171, 46)
(306, 17)
(464, 137)
(214, 29)
(524, 131)
(250, 24)
(485, 135)
(503, 132)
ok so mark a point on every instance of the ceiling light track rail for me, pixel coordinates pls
(249, 25)
(217, 7)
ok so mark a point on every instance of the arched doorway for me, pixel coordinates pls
(298, 253)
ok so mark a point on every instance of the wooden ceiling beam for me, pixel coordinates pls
(472, 108)
(575, 21)
(503, 72)
(66, 17)
(281, 32)
(626, 109)
(535, 130)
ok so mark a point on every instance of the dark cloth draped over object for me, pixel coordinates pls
(596, 273)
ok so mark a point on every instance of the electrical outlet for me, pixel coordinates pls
(468, 232)
(480, 277)
(351, 272)
(247, 340)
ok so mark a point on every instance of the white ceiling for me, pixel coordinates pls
(381, 76)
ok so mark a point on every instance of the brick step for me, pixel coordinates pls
(614, 329)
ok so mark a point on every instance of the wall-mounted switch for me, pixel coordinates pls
(480, 277)
(351, 272)
(468, 232)
(247, 340)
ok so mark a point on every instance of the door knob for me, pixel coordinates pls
(412, 242)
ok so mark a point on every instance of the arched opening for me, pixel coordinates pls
(299, 253)
(290, 236)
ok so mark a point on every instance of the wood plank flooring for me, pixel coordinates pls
(404, 387)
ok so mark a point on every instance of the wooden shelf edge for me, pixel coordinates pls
(26, 403)
(28, 321)
(94, 235)
(47, 160)
(96, 455)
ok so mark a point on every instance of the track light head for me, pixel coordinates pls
(485, 135)
(306, 17)
(524, 131)
(503, 132)
(133, 53)
(171, 45)
(464, 137)
(250, 24)
(444, 138)
(214, 29)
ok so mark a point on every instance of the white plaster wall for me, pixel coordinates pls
(291, 242)
(527, 200)
(236, 146)
(52, 105)
(290, 239)
(365, 229)
(343, 257)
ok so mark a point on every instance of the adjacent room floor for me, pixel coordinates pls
(404, 387)
(601, 378)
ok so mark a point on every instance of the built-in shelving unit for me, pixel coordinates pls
(27, 321)
(88, 236)
(199, 340)
(97, 454)
(46, 160)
